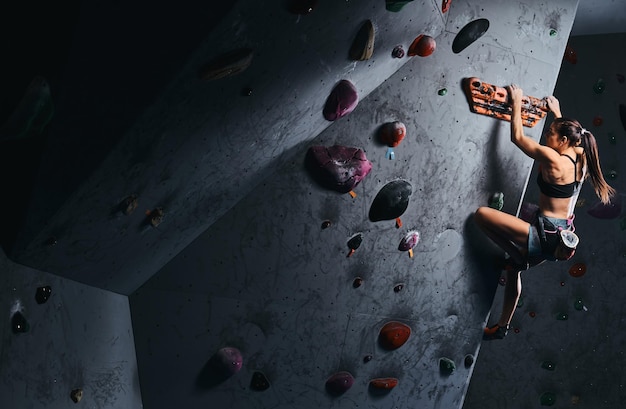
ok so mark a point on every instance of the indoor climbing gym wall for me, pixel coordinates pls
(353, 274)
(567, 344)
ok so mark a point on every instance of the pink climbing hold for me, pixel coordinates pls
(611, 210)
(227, 361)
(337, 167)
(341, 101)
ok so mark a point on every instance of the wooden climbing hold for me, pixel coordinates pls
(227, 64)
(363, 45)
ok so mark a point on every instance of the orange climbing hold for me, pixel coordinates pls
(423, 45)
(384, 383)
(393, 335)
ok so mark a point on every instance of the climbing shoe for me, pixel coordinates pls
(495, 332)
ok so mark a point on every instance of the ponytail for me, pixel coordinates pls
(592, 158)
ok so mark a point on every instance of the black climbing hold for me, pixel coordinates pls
(469, 360)
(391, 201)
(470, 33)
(367, 358)
(357, 282)
(246, 92)
(51, 241)
(397, 52)
(42, 294)
(446, 366)
(259, 382)
(19, 323)
(398, 288)
(355, 241)
(326, 224)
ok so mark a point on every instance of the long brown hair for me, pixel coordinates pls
(577, 135)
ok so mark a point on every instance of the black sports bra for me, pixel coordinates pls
(559, 191)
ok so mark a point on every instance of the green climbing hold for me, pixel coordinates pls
(548, 365)
(562, 316)
(446, 366)
(612, 138)
(578, 304)
(496, 201)
(520, 302)
(547, 399)
(442, 91)
(396, 5)
(553, 32)
(599, 86)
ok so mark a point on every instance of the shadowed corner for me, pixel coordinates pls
(482, 256)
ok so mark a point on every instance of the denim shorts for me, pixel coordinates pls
(534, 242)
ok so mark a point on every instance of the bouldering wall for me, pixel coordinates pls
(567, 346)
(64, 343)
(281, 302)
(145, 134)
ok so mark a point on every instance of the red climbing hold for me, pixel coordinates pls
(578, 270)
(392, 133)
(423, 45)
(339, 383)
(570, 55)
(393, 335)
(384, 383)
(445, 5)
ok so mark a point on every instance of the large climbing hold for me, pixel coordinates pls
(391, 201)
(227, 64)
(470, 33)
(18, 323)
(610, 210)
(226, 362)
(340, 168)
(423, 45)
(446, 366)
(341, 101)
(339, 383)
(363, 45)
(393, 335)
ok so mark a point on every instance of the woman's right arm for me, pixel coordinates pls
(554, 106)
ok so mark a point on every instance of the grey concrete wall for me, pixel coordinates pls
(81, 338)
(588, 349)
(267, 279)
(133, 118)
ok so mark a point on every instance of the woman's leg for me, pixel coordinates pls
(507, 231)
(511, 234)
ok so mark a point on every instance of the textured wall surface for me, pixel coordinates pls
(80, 338)
(587, 350)
(267, 279)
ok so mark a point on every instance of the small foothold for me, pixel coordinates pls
(446, 366)
(398, 287)
(599, 86)
(326, 224)
(155, 217)
(423, 45)
(339, 383)
(562, 283)
(367, 358)
(612, 138)
(442, 92)
(597, 121)
(548, 365)
(355, 241)
(575, 399)
(397, 52)
(43, 294)
(76, 395)
(547, 399)
(246, 92)
(612, 174)
(51, 241)
(357, 282)
(393, 335)
(570, 55)
(496, 201)
(520, 302)
(469, 360)
(259, 382)
(302, 7)
(502, 280)
(532, 314)
(562, 316)
(19, 323)
(578, 270)
(516, 330)
(579, 304)
(129, 204)
(553, 32)
(409, 241)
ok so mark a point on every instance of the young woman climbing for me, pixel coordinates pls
(569, 156)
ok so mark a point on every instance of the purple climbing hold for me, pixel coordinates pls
(227, 361)
(397, 52)
(339, 383)
(341, 101)
(409, 241)
(611, 210)
(391, 201)
(340, 168)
